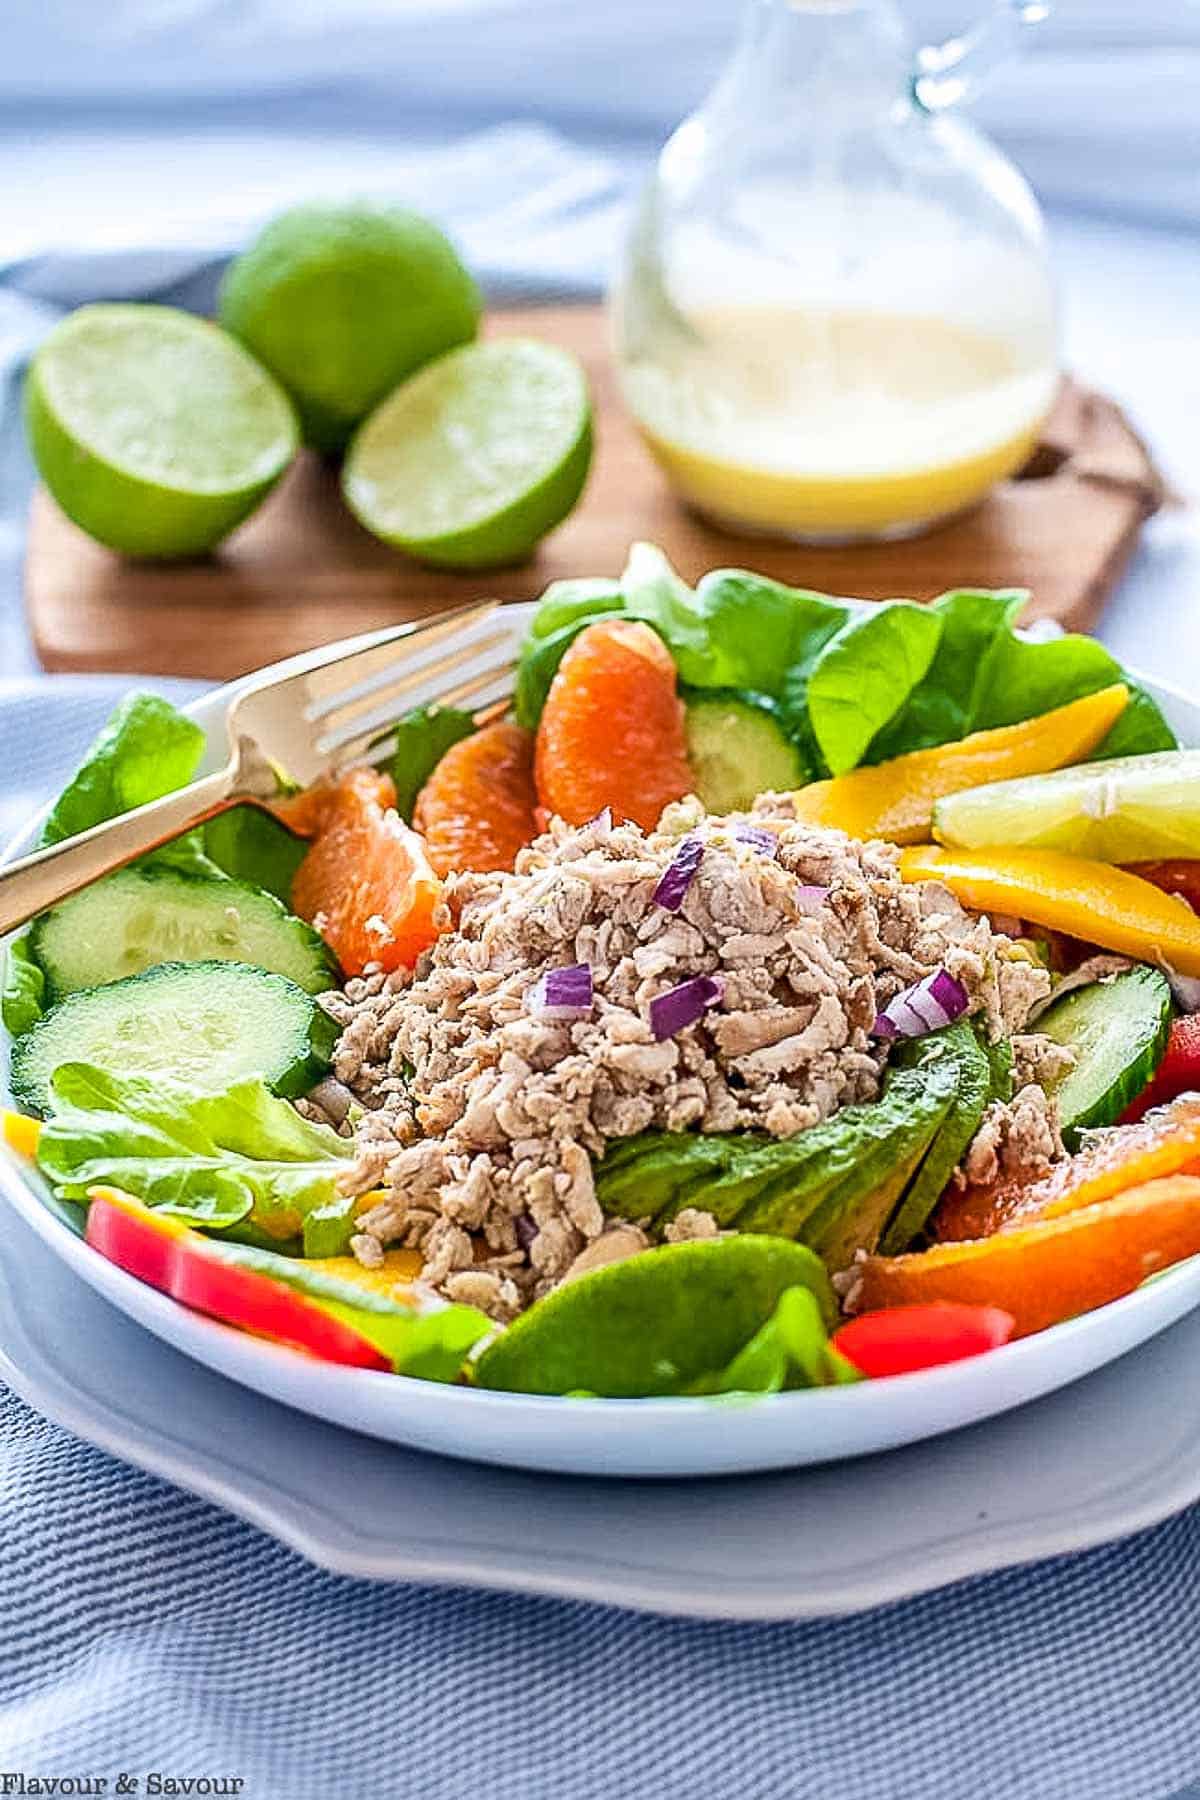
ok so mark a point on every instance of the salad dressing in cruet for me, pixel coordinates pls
(834, 318)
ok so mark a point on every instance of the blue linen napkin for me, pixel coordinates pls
(142, 1629)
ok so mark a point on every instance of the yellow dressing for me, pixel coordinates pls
(836, 423)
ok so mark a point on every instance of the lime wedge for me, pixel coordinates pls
(1135, 809)
(476, 457)
(655, 1323)
(153, 429)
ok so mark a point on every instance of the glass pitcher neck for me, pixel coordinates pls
(835, 53)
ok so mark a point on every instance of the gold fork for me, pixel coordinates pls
(312, 715)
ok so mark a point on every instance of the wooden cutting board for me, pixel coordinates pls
(302, 572)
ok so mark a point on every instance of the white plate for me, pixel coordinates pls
(1112, 1454)
(645, 1437)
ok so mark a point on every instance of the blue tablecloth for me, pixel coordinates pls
(142, 1630)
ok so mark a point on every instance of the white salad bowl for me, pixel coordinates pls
(655, 1437)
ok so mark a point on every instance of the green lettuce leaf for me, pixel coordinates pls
(737, 630)
(423, 737)
(760, 630)
(217, 1160)
(22, 1000)
(147, 749)
(984, 675)
(863, 676)
(250, 845)
(791, 1350)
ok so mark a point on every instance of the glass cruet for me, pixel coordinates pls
(833, 317)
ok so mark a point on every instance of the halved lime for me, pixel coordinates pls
(1134, 809)
(153, 429)
(475, 458)
(655, 1323)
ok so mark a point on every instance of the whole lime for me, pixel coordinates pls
(341, 302)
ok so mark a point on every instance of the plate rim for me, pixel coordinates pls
(1138, 1504)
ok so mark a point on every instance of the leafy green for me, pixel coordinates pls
(423, 737)
(427, 1342)
(1140, 730)
(759, 630)
(147, 749)
(252, 846)
(214, 1159)
(22, 999)
(862, 677)
(791, 1350)
(851, 686)
(984, 675)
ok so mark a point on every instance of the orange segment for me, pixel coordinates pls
(611, 732)
(477, 808)
(1166, 1142)
(366, 882)
(895, 799)
(1054, 1268)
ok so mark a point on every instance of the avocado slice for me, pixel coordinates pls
(961, 1049)
(853, 1214)
(642, 1176)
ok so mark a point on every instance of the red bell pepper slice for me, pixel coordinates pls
(167, 1255)
(1177, 1073)
(1178, 875)
(898, 1339)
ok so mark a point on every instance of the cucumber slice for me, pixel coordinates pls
(206, 1023)
(137, 918)
(1118, 1031)
(738, 750)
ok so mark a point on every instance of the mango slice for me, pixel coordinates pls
(1086, 899)
(895, 799)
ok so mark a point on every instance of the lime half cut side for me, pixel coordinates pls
(475, 458)
(154, 430)
(1134, 809)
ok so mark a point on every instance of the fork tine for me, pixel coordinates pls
(376, 699)
(481, 682)
(328, 668)
(495, 701)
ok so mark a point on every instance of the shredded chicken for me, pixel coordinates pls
(483, 1121)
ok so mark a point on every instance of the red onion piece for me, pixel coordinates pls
(810, 899)
(562, 994)
(757, 837)
(926, 1006)
(681, 1006)
(679, 873)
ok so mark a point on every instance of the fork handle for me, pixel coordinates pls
(34, 882)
